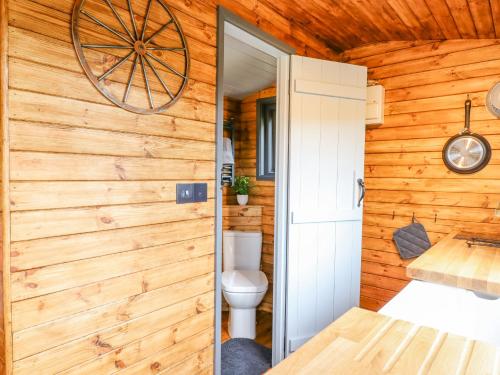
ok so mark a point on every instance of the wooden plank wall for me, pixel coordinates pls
(244, 218)
(244, 114)
(108, 274)
(262, 193)
(426, 86)
(5, 330)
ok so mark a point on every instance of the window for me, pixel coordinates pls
(266, 134)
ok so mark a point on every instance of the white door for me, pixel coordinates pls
(327, 134)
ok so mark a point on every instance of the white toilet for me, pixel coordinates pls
(243, 284)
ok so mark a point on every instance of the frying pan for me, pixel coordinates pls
(466, 152)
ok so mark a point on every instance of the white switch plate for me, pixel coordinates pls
(497, 210)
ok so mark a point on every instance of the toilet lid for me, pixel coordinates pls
(244, 281)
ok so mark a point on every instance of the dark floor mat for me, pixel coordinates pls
(245, 357)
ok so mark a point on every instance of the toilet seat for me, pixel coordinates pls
(243, 281)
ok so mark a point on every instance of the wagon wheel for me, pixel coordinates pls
(129, 48)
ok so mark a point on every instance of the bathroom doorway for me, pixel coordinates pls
(252, 107)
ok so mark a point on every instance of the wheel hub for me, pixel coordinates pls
(140, 47)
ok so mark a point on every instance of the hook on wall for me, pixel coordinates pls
(393, 214)
(413, 217)
(435, 217)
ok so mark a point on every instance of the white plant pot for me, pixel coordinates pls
(242, 199)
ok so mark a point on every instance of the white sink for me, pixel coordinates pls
(449, 309)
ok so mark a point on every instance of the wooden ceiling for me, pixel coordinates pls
(346, 24)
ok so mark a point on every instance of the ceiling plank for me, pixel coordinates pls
(360, 13)
(326, 28)
(444, 19)
(311, 22)
(336, 18)
(426, 19)
(495, 12)
(463, 18)
(409, 19)
(481, 15)
(391, 18)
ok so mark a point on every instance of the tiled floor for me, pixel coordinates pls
(264, 328)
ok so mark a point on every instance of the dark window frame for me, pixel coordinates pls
(266, 138)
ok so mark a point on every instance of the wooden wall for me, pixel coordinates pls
(108, 274)
(5, 330)
(426, 86)
(262, 193)
(244, 114)
(244, 218)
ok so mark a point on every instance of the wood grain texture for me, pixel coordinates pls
(244, 115)
(426, 86)
(108, 273)
(5, 308)
(157, 268)
(372, 21)
(263, 191)
(69, 150)
(452, 262)
(364, 342)
(244, 218)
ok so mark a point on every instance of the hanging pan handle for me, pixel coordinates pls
(468, 105)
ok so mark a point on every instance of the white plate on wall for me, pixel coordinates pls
(493, 100)
(453, 310)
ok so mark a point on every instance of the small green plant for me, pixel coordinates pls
(241, 185)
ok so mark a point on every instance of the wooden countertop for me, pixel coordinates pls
(452, 262)
(364, 342)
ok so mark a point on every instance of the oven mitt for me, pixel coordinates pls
(411, 241)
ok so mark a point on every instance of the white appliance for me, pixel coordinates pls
(375, 96)
(327, 138)
(243, 284)
(454, 310)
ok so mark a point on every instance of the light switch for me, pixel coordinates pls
(185, 193)
(497, 210)
(200, 192)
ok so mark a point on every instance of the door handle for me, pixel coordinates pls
(361, 186)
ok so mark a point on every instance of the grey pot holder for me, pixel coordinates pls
(412, 240)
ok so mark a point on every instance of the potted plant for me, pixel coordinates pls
(241, 187)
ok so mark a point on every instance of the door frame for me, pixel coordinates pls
(260, 40)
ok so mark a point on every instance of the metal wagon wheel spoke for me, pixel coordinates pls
(109, 28)
(166, 48)
(131, 79)
(146, 81)
(115, 66)
(157, 32)
(139, 53)
(132, 18)
(106, 46)
(120, 19)
(165, 86)
(146, 18)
